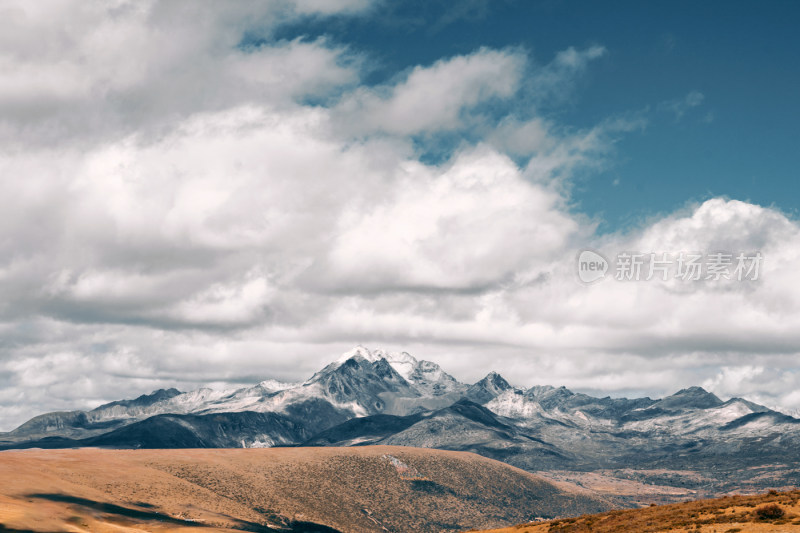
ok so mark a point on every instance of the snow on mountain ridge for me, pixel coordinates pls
(403, 363)
(365, 382)
(425, 376)
(359, 351)
(275, 385)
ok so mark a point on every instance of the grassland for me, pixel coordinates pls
(771, 512)
(360, 489)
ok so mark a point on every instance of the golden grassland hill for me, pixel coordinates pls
(360, 489)
(771, 512)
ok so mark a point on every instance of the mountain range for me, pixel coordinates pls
(691, 440)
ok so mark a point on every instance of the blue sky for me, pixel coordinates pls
(740, 141)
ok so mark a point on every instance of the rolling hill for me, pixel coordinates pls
(363, 489)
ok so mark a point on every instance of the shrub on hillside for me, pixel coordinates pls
(769, 511)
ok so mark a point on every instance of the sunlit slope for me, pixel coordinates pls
(293, 489)
(772, 512)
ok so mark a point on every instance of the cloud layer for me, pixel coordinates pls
(187, 199)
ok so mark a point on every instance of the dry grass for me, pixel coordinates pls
(349, 489)
(771, 512)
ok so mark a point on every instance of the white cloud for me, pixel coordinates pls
(435, 98)
(475, 223)
(175, 213)
(330, 7)
(117, 67)
(240, 303)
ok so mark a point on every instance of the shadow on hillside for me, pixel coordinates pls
(136, 514)
(110, 508)
(4, 529)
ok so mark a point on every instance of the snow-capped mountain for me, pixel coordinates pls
(377, 397)
(426, 377)
(359, 383)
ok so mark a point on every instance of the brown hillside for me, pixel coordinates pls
(772, 512)
(349, 489)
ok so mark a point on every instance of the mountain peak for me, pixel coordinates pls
(360, 352)
(693, 392)
(495, 382)
(426, 376)
(696, 397)
(143, 400)
(402, 362)
(487, 389)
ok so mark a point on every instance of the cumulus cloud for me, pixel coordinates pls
(466, 226)
(117, 67)
(188, 200)
(434, 98)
